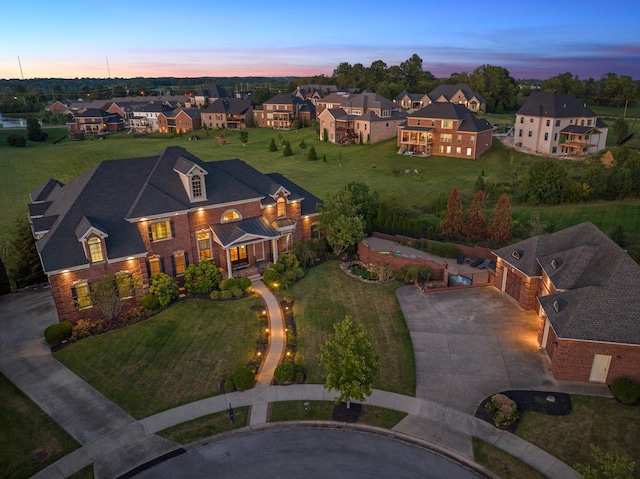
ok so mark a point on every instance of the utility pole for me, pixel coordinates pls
(625, 108)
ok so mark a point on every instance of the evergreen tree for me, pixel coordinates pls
(303, 145)
(381, 217)
(5, 285)
(452, 224)
(272, 146)
(287, 149)
(34, 131)
(312, 155)
(476, 226)
(24, 266)
(500, 224)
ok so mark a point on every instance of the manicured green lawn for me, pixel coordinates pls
(30, 440)
(600, 421)
(502, 463)
(206, 426)
(325, 296)
(174, 358)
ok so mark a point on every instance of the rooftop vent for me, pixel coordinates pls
(517, 253)
(559, 305)
(556, 263)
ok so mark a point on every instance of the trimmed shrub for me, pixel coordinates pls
(443, 249)
(214, 295)
(202, 278)
(13, 139)
(243, 378)
(244, 284)
(56, 333)
(271, 276)
(236, 292)
(150, 302)
(625, 390)
(226, 294)
(163, 287)
(504, 410)
(228, 384)
(285, 372)
(272, 146)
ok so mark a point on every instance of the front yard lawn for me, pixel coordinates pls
(30, 439)
(325, 296)
(174, 358)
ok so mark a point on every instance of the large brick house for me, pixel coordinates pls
(142, 216)
(584, 287)
(95, 121)
(281, 111)
(229, 113)
(444, 129)
(181, 120)
(358, 118)
(559, 125)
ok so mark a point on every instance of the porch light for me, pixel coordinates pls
(129, 258)
(259, 353)
(266, 330)
(65, 270)
(201, 209)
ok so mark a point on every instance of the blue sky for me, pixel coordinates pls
(534, 39)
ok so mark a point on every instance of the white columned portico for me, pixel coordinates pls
(229, 268)
(274, 249)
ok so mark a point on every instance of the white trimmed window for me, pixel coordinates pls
(155, 265)
(196, 186)
(160, 230)
(231, 215)
(81, 295)
(204, 245)
(95, 249)
(446, 124)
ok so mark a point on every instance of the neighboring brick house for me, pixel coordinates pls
(181, 120)
(444, 129)
(142, 216)
(358, 118)
(585, 290)
(412, 101)
(314, 92)
(60, 107)
(559, 125)
(229, 113)
(95, 121)
(459, 94)
(282, 110)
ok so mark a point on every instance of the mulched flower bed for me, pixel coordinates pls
(351, 415)
(545, 402)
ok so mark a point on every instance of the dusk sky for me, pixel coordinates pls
(532, 39)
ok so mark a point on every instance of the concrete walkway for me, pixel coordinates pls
(116, 443)
(277, 343)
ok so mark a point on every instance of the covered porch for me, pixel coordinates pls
(577, 141)
(415, 140)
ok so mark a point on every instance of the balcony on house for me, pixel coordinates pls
(416, 142)
(577, 140)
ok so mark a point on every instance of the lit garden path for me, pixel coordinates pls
(275, 351)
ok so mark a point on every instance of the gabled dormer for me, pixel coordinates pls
(93, 238)
(193, 179)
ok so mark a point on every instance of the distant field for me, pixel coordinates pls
(413, 181)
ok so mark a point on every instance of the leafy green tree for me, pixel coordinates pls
(547, 182)
(110, 292)
(564, 83)
(34, 131)
(607, 466)
(5, 284)
(350, 361)
(23, 262)
(497, 86)
(475, 227)
(501, 224)
(163, 287)
(311, 154)
(260, 95)
(202, 278)
(365, 201)
(451, 225)
(619, 90)
(622, 129)
(339, 218)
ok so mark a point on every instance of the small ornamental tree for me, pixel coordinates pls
(109, 293)
(500, 224)
(475, 227)
(452, 223)
(311, 154)
(350, 362)
(272, 146)
(163, 287)
(202, 278)
(287, 149)
(302, 145)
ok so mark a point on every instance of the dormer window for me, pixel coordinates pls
(231, 215)
(196, 186)
(95, 249)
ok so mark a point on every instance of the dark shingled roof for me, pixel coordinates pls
(554, 105)
(116, 191)
(228, 105)
(451, 111)
(597, 296)
(448, 91)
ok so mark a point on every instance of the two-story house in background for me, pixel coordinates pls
(559, 125)
(281, 111)
(181, 120)
(411, 101)
(358, 118)
(142, 216)
(459, 94)
(229, 113)
(444, 129)
(95, 121)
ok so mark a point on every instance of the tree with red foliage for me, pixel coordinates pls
(500, 224)
(476, 226)
(452, 223)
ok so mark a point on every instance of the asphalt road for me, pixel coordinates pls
(309, 453)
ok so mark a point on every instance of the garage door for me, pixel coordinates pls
(513, 285)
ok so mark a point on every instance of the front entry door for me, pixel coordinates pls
(238, 255)
(600, 368)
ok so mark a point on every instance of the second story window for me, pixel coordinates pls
(282, 208)
(95, 249)
(447, 124)
(160, 230)
(196, 186)
(231, 215)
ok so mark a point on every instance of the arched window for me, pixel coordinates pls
(231, 215)
(282, 208)
(95, 249)
(196, 186)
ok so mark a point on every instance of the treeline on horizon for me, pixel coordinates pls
(503, 93)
